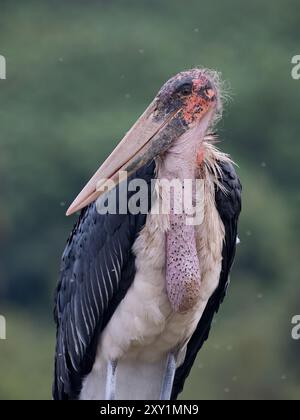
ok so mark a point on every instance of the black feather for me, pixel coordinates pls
(97, 269)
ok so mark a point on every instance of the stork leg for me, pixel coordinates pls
(168, 378)
(110, 390)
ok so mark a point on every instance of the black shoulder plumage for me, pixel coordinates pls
(96, 271)
(229, 208)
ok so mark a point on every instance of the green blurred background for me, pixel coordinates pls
(79, 73)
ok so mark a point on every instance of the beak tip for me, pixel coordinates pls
(70, 211)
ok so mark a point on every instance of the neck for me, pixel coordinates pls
(183, 274)
(180, 161)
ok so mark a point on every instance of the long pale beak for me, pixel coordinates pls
(140, 145)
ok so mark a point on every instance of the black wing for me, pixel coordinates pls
(96, 271)
(229, 208)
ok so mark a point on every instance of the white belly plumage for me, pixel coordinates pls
(144, 327)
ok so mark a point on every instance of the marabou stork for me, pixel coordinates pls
(138, 292)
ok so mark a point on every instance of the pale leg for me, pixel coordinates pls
(168, 379)
(110, 390)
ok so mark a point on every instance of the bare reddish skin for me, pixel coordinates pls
(200, 156)
(196, 106)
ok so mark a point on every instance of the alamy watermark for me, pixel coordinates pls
(2, 67)
(2, 328)
(296, 328)
(176, 196)
(296, 68)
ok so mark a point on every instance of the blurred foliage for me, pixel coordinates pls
(78, 75)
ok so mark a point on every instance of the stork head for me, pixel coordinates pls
(188, 101)
(189, 95)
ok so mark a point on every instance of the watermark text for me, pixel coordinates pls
(2, 67)
(2, 328)
(166, 197)
(296, 69)
(296, 328)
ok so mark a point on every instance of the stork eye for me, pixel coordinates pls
(185, 89)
